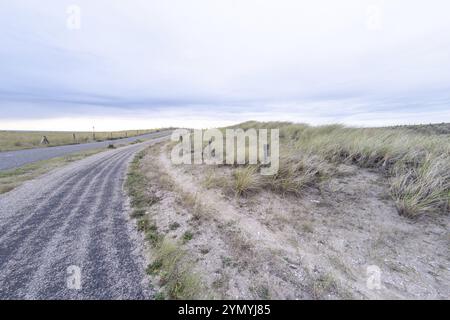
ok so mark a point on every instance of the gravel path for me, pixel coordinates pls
(74, 216)
(15, 159)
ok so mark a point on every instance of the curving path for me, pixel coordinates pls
(74, 216)
(15, 159)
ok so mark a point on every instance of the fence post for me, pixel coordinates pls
(44, 140)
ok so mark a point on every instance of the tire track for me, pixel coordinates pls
(43, 283)
(45, 202)
(19, 259)
(112, 254)
(83, 222)
(32, 226)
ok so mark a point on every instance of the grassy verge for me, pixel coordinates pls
(12, 179)
(174, 272)
(18, 140)
(170, 265)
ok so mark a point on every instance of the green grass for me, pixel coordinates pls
(11, 179)
(175, 273)
(187, 236)
(17, 140)
(137, 184)
(170, 262)
(138, 213)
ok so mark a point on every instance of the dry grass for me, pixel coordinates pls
(212, 180)
(297, 171)
(417, 163)
(193, 203)
(324, 285)
(423, 188)
(17, 140)
(11, 179)
(245, 251)
(246, 180)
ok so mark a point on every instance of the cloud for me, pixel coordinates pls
(323, 61)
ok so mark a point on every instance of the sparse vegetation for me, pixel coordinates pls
(170, 264)
(141, 201)
(187, 236)
(137, 141)
(195, 205)
(175, 272)
(297, 235)
(136, 185)
(174, 226)
(213, 181)
(138, 213)
(262, 292)
(323, 285)
(307, 228)
(149, 229)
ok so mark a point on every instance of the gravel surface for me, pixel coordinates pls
(15, 159)
(74, 216)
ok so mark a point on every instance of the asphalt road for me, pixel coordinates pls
(15, 159)
(76, 216)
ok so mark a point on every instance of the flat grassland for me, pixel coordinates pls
(11, 179)
(18, 140)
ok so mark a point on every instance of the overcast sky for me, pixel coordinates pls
(202, 63)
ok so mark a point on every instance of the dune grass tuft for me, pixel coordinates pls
(246, 180)
(296, 172)
(424, 188)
